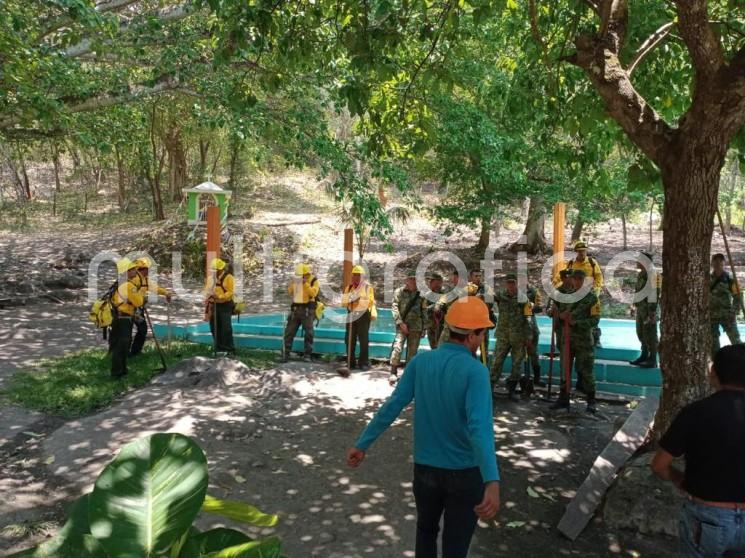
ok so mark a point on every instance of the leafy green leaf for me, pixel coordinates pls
(146, 498)
(238, 511)
(266, 548)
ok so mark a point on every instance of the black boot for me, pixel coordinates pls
(526, 387)
(511, 387)
(642, 357)
(591, 406)
(650, 362)
(596, 338)
(537, 382)
(561, 403)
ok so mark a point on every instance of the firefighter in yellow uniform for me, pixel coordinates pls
(146, 285)
(220, 292)
(591, 268)
(359, 298)
(303, 289)
(127, 298)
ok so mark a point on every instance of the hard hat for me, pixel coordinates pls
(218, 264)
(143, 262)
(124, 265)
(358, 269)
(467, 315)
(580, 246)
(301, 269)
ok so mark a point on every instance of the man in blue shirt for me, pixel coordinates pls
(455, 463)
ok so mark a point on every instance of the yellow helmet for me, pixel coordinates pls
(124, 265)
(358, 269)
(472, 289)
(143, 262)
(301, 269)
(218, 264)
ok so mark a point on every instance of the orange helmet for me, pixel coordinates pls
(467, 315)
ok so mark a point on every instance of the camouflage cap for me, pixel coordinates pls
(435, 277)
(410, 274)
(510, 277)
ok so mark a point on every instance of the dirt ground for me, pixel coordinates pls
(288, 441)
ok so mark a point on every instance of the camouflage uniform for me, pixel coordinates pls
(487, 295)
(513, 332)
(446, 300)
(725, 300)
(646, 330)
(535, 297)
(581, 344)
(433, 323)
(408, 308)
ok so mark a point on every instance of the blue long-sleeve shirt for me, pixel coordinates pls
(453, 421)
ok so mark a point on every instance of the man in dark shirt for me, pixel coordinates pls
(710, 433)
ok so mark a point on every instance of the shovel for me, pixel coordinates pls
(157, 345)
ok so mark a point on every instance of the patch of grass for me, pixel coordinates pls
(80, 383)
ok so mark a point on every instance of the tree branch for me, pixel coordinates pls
(54, 24)
(647, 46)
(614, 17)
(642, 124)
(172, 13)
(136, 92)
(699, 37)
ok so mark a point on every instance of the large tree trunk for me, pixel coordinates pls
(579, 224)
(535, 238)
(691, 182)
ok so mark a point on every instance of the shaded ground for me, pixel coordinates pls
(277, 439)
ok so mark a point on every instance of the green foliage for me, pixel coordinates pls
(79, 383)
(143, 504)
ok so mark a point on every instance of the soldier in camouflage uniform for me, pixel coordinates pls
(645, 311)
(556, 307)
(535, 298)
(477, 288)
(513, 335)
(458, 290)
(725, 301)
(581, 316)
(408, 312)
(433, 321)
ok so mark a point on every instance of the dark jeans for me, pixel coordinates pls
(360, 330)
(221, 327)
(454, 492)
(121, 339)
(140, 335)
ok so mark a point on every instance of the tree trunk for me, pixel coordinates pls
(177, 168)
(651, 239)
(577, 228)
(535, 239)
(625, 232)
(691, 183)
(55, 160)
(204, 147)
(484, 235)
(121, 193)
(156, 166)
(26, 181)
(235, 165)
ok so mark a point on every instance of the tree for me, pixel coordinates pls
(700, 100)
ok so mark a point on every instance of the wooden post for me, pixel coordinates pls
(348, 257)
(213, 236)
(559, 224)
